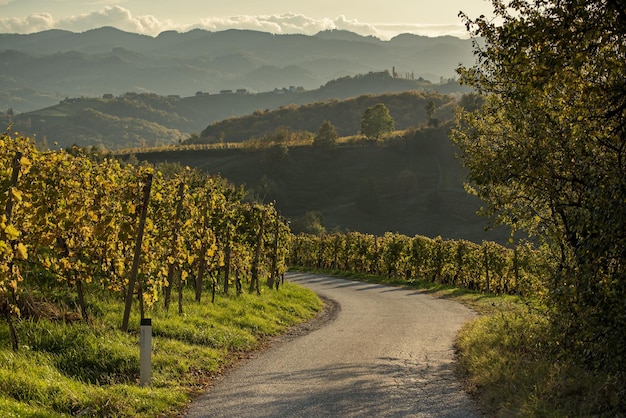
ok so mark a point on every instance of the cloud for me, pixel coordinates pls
(118, 17)
(288, 23)
(355, 26)
(115, 16)
(33, 23)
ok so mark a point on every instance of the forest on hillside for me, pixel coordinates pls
(408, 110)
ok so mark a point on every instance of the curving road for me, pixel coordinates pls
(388, 353)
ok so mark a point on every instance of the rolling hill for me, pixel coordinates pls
(136, 120)
(411, 183)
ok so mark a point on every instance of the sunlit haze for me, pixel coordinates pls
(366, 17)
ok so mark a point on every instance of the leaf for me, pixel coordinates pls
(11, 233)
(21, 252)
(16, 194)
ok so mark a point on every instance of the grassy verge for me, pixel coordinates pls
(509, 362)
(93, 369)
(511, 366)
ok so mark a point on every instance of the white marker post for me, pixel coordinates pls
(145, 352)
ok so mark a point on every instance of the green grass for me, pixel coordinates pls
(509, 361)
(513, 366)
(506, 357)
(93, 369)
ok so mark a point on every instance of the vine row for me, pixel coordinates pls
(486, 267)
(135, 231)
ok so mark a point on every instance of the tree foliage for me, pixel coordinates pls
(430, 112)
(547, 153)
(376, 121)
(309, 223)
(326, 136)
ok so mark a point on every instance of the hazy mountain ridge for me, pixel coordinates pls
(107, 60)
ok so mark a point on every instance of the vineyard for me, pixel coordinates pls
(487, 267)
(142, 233)
(132, 231)
(100, 238)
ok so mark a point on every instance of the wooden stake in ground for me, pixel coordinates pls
(9, 213)
(254, 282)
(172, 271)
(137, 256)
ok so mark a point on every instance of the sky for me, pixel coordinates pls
(380, 18)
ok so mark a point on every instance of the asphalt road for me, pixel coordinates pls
(387, 353)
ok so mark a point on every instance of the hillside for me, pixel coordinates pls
(411, 184)
(59, 63)
(134, 120)
(407, 109)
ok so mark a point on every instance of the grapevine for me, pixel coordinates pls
(487, 267)
(74, 221)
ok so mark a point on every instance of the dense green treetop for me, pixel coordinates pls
(326, 136)
(376, 121)
(547, 151)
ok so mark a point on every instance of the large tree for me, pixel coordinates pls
(326, 136)
(547, 153)
(376, 121)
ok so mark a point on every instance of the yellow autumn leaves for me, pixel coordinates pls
(76, 217)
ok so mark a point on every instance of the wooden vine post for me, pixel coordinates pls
(254, 282)
(273, 279)
(9, 213)
(171, 270)
(336, 252)
(359, 254)
(346, 264)
(486, 261)
(137, 256)
(202, 261)
(177, 222)
(80, 292)
(227, 256)
(376, 267)
(320, 254)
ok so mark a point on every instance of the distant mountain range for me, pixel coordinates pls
(38, 70)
